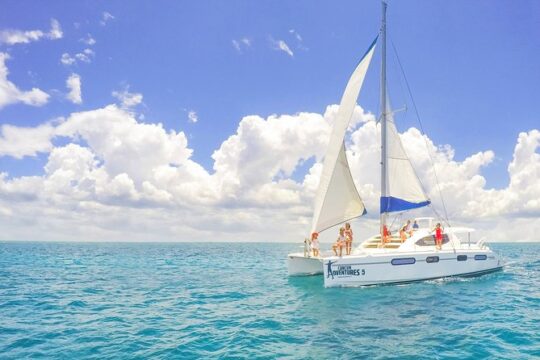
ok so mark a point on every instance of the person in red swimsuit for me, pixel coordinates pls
(385, 235)
(438, 236)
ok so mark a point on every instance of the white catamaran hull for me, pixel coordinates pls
(362, 270)
(299, 265)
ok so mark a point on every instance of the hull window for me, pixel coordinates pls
(403, 261)
(462, 258)
(480, 257)
(432, 259)
(430, 240)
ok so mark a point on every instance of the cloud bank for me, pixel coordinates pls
(117, 178)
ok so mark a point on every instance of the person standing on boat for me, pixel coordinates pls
(438, 236)
(408, 228)
(348, 238)
(315, 244)
(385, 235)
(340, 242)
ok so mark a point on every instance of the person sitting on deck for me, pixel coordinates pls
(403, 234)
(408, 228)
(348, 238)
(340, 242)
(415, 226)
(315, 244)
(438, 236)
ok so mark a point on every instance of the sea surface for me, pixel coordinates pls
(201, 300)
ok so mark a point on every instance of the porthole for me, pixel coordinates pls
(480, 257)
(462, 258)
(403, 261)
(432, 259)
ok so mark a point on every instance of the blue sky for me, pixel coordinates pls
(472, 67)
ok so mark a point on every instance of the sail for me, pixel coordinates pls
(404, 190)
(337, 199)
(342, 202)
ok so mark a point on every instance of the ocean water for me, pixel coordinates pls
(166, 301)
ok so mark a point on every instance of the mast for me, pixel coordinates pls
(383, 115)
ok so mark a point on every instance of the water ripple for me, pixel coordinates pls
(95, 301)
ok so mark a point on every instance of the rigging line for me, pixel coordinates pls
(423, 133)
(439, 215)
(394, 220)
(400, 84)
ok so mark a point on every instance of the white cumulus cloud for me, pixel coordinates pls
(67, 59)
(12, 37)
(106, 17)
(192, 116)
(88, 40)
(119, 178)
(281, 45)
(18, 142)
(84, 56)
(10, 94)
(73, 84)
(56, 31)
(127, 99)
(241, 44)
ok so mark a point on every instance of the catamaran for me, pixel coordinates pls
(384, 258)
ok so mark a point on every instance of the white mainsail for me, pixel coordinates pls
(337, 199)
(404, 190)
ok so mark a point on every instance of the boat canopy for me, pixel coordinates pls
(337, 199)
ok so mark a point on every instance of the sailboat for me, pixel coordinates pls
(424, 253)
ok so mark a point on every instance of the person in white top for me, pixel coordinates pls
(340, 242)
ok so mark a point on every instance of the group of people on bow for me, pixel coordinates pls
(345, 238)
(344, 241)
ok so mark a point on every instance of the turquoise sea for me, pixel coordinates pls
(193, 300)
